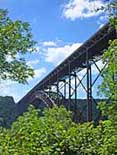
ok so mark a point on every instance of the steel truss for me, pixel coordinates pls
(69, 90)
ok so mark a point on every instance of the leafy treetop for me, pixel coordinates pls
(15, 42)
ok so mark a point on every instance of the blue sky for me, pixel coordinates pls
(59, 27)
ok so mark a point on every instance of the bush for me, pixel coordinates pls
(55, 134)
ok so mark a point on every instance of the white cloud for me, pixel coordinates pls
(7, 88)
(49, 43)
(39, 72)
(6, 83)
(56, 55)
(33, 62)
(102, 20)
(12, 88)
(81, 9)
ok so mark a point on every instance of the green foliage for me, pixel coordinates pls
(55, 134)
(15, 42)
(109, 84)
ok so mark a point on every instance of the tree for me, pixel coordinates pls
(109, 84)
(15, 42)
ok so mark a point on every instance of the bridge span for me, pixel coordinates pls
(61, 86)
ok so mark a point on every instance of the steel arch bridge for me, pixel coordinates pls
(61, 86)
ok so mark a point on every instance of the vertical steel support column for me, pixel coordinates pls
(65, 89)
(75, 90)
(89, 93)
(49, 88)
(57, 87)
(75, 76)
(69, 87)
(43, 86)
